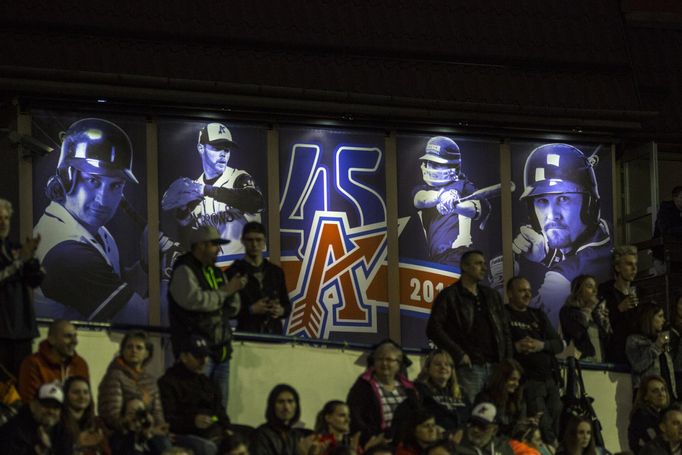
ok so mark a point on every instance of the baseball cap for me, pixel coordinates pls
(51, 393)
(442, 150)
(216, 134)
(207, 234)
(196, 345)
(484, 414)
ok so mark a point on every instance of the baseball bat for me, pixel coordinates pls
(487, 192)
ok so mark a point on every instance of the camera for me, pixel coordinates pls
(142, 417)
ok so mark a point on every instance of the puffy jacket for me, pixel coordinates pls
(452, 318)
(47, 366)
(269, 440)
(119, 384)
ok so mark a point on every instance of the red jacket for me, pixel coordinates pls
(46, 366)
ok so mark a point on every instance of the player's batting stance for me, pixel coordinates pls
(446, 218)
(223, 197)
(566, 236)
(84, 279)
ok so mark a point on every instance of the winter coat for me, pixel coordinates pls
(47, 366)
(121, 383)
(364, 401)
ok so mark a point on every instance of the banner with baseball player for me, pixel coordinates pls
(333, 231)
(562, 217)
(211, 173)
(85, 196)
(449, 203)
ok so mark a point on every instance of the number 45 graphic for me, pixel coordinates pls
(339, 260)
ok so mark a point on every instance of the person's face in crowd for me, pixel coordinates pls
(671, 427)
(254, 244)
(387, 361)
(241, 449)
(192, 362)
(656, 394)
(285, 406)
(677, 200)
(339, 419)
(559, 218)
(130, 417)
(658, 321)
(46, 412)
(583, 434)
(64, 340)
(215, 159)
(475, 267)
(94, 199)
(513, 381)
(440, 370)
(78, 396)
(426, 432)
(207, 252)
(588, 293)
(135, 352)
(481, 434)
(520, 294)
(4, 223)
(626, 267)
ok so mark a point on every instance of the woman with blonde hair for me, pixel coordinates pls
(440, 392)
(585, 320)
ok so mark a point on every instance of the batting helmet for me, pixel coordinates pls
(557, 169)
(96, 146)
(445, 154)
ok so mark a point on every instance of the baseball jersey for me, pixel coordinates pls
(227, 219)
(591, 257)
(82, 270)
(442, 230)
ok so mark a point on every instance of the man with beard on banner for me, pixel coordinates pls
(223, 197)
(84, 279)
(566, 236)
(446, 220)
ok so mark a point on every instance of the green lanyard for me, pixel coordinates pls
(210, 277)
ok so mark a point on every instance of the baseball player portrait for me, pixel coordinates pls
(84, 278)
(565, 235)
(222, 196)
(446, 218)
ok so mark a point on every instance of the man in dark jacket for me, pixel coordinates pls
(670, 436)
(36, 430)
(480, 436)
(191, 402)
(536, 345)
(265, 299)
(202, 301)
(19, 272)
(277, 435)
(469, 321)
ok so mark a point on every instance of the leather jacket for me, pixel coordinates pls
(452, 318)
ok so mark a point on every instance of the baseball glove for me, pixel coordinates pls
(182, 193)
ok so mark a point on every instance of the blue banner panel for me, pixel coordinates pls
(90, 210)
(333, 231)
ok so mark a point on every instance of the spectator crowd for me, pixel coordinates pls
(491, 384)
